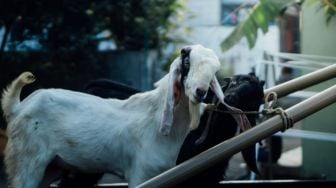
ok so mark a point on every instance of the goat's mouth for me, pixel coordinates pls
(199, 96)
(196, 99)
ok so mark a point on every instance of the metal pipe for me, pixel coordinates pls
(304, 81)
(229, 147)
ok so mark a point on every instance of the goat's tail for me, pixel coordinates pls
(11, 95)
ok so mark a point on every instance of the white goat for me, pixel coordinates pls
(107, 135)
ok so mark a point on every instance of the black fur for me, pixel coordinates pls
(246, 93)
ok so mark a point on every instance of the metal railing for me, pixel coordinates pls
(229, 147)
(304, 81)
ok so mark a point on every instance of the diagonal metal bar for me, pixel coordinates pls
(304, 81)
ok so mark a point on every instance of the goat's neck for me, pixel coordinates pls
(146, 110)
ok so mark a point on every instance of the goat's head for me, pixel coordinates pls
(245, 92)
(191, 75)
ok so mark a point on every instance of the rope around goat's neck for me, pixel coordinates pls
(213, 107)
(269, 109)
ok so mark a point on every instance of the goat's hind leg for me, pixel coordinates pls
(26, 169)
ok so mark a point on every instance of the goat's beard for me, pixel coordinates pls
(195, 115)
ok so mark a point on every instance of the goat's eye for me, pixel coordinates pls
(186, 62)
(183, 52)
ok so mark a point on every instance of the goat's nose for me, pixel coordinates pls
(201, 93)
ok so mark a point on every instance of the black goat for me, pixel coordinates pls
(244, 92)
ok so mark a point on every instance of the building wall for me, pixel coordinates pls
(319, 39)
(206, 12)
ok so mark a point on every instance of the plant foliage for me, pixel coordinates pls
(329, 7)
(263, 13)
(72, 24)
(259, 18)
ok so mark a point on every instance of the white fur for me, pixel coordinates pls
(103, 135)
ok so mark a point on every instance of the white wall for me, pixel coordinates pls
(206, 12)
(318, 38)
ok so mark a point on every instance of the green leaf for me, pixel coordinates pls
(263, 12)
(261, 18)
(251, 32)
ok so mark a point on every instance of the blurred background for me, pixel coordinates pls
(67, 43)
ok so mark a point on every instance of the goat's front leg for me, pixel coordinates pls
(143, 169)
(137, 177)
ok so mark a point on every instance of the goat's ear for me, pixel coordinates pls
(174, 92)
(262, 83)
(214, 85)
(252, 74)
